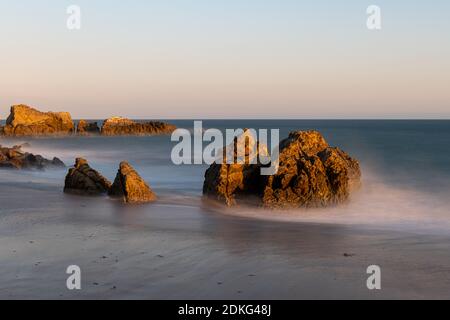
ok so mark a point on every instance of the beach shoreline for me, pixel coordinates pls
(177, 253)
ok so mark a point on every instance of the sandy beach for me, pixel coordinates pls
(178, 252)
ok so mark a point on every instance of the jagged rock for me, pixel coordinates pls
(85, 128)
(121, 126)
(129, 186)
(26, 121)
(310, 174)
(229, 182)
(82, 179)
(15, 158)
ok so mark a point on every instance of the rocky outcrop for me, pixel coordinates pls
(310, 174)
(26, 121)
(230, 182)
(15, 158)
(129, 186)
(85, 128)
(117, 126)
(82, 179)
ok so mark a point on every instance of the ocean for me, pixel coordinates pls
(405, 165)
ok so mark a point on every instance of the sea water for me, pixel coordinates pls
(405, 166)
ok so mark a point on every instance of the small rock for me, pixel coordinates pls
(85, 128)
(348, 255)
(82, 179)
(129, 186)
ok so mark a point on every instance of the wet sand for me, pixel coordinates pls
(174, 251)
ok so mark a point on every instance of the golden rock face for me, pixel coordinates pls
(27, 121)
(129, 186)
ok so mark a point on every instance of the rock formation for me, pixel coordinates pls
(310, 174)
(85, 128)
(227, 182)
(129, 186)
(26, 121)
(121, 126)
(82, 179)
(15, 158)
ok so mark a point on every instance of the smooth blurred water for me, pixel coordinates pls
(406, 166)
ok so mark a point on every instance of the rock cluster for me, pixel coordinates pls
(15, 158)
(121, 126)
(310, 174)
(27, 121)
(128, 185)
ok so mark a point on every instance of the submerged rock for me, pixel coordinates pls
(15, 158)
(27, 121)
(310, 174)
(129, 186)
(82, 179)
(117, 126)
(85, 128)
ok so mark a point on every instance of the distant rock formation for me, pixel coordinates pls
(129, 186)
(84, 180)
(311, 174)
(118, 126)
(26, 121)
(15, 158)
(85, 128)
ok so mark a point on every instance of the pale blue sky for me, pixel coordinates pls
(227, 58)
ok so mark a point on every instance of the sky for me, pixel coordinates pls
(169, 59)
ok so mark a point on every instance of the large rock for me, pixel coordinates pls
(26, 121)
(230, 182)
(84, 180)
(117, 126)
(85, 128)
(310, 174)
(129, 186)
(15, 158)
